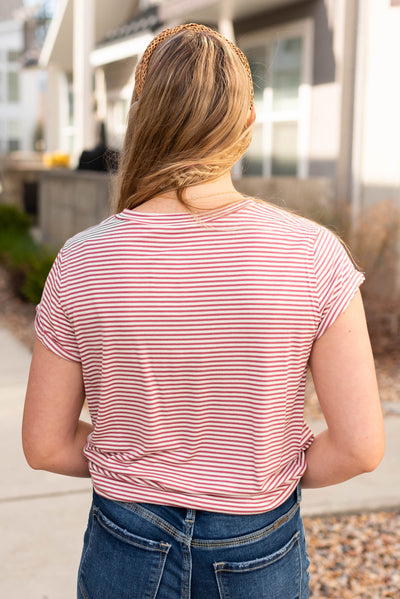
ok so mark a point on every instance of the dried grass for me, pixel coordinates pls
(376, 246)
(374, 243)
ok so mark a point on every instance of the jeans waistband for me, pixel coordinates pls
(201, 527)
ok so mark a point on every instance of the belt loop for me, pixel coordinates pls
(298, 493)
(190, 515)
(189, 522)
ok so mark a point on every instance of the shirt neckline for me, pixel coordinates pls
(128, 214)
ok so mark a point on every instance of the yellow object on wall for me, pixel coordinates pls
(56, 159)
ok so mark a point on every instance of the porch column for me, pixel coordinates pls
(225, 21)
(100, 94)
(83, 44)
(56, 110)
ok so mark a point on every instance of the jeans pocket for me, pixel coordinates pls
(119, 564)
(275, 576)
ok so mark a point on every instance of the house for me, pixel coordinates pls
(21, 83)
(89, 73)
(327, 100)
(22, 86)
(325, 92)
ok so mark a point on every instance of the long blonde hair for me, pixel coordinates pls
(187, 121)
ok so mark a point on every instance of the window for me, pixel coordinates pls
(280, 62)
(13, 135)
(13, 55)
(13, 145)
(13, 86)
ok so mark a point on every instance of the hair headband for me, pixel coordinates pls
(142, 67)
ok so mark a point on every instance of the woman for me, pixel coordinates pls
(188, 320)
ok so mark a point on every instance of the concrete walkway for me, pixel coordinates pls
(43, 516)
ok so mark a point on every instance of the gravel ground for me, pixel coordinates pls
(352, 556)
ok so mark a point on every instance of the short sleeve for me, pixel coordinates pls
(52, 325)
(337, 279)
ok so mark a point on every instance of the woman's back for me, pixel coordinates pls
(194, 341)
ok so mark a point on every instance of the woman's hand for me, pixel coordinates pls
(343, 371)
(53, 437)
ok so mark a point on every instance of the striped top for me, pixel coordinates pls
(194, 340)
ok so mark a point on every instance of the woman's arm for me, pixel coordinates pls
(53, 437)
(344, 376)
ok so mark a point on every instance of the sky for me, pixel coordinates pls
(33, 2)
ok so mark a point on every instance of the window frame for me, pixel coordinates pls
(303, 28)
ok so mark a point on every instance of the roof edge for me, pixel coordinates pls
(52, 33)
(118, 50)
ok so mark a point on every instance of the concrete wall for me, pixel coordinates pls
(71, 201)
(17, 172)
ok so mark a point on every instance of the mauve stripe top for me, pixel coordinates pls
(194, 339)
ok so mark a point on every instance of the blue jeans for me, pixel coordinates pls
(146, 551)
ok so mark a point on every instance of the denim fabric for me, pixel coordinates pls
(146, 551)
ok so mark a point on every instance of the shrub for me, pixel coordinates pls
(13, 220)
(27, 262)
(35, 278)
